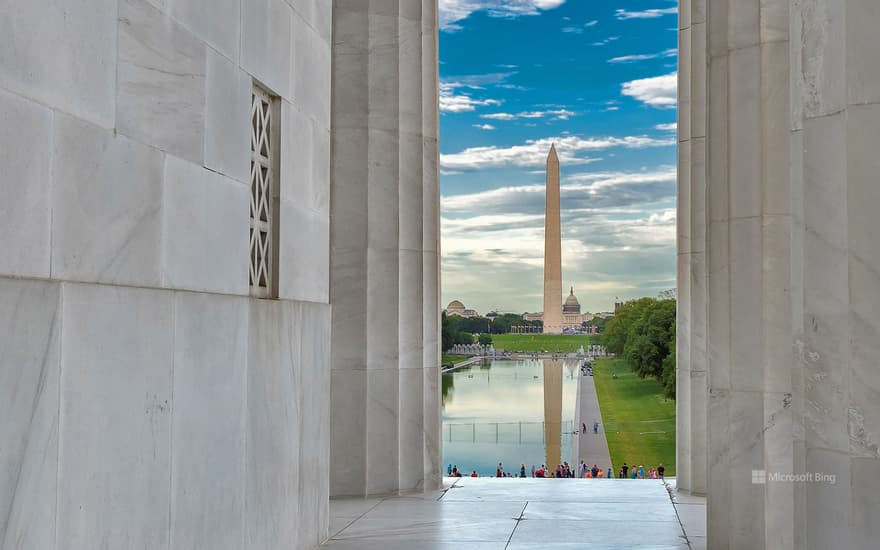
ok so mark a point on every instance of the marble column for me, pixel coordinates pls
(384, 280)
(834, 128)
(786, 325)
(692, 313)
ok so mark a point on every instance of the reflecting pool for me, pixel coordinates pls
(513, 412)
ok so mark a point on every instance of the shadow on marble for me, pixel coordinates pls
(628, 532)
(489, 513)
(381, 544)
(693, 519)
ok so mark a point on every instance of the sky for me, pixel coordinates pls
(598, 79)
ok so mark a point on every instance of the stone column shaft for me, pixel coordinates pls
(384, 279)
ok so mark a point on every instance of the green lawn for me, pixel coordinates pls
(451, 358)
(538, 342)
(639, 421)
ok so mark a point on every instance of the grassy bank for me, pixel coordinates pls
(451, 358)
(639, 421)
(563, 343)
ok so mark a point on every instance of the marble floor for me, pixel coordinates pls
(499, 514)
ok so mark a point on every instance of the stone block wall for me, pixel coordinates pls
(145, 399)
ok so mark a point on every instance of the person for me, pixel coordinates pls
(660, 471)
(610, 473)
(499, 471)
(449, 470)
(583, 427)
(474, 474)
(635, 473)
(595, 427)
(455, 472)
(624, 470)
(522, 470)
(620, 473)
(540, 472)
(595, 470)
(652, 474)
(533, 470)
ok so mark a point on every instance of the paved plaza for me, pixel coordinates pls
(499, 514)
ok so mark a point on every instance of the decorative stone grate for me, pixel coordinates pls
(262, 184)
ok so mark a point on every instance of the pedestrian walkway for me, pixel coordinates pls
(591, 448)
(511, 514)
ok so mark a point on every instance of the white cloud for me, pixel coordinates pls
(657, 91)
(618, 240)
(573, 30)
(606, 41)
(600, 190)
(484, 126)
(644, 14)
(453, 11)
(671, 127)
(452, 102)
(553, 114)
(672, 52)
(533, 153)
(592, 23)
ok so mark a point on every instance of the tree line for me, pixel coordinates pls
(643, 333)
(460, 330)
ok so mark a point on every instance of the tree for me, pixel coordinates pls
(446, 333)
(485, 339)
(643, 332)
(669, 371)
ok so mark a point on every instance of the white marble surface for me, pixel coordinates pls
(310, 70)
(106, 206)
(61, 55)
(115, 428)
(160, 82)
(208, 427)
(272, 513)
(514, 513)
(228, 118)
(266, 43)
(304, 255)
(314, 466)
(305, 161)
(25, 218)
(205, 230)
(217, 22)
(30, 333)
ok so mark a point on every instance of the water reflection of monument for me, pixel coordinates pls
(553, 411)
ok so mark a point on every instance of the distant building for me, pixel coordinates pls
(457, 308)
(572, 318)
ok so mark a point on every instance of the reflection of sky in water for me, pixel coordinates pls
(494, 413)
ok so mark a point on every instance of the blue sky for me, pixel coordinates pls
(597, 77)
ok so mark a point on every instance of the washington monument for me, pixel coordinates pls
(552, 249)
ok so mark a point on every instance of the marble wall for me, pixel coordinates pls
(385, 410)
(779, 108)
(145, 399)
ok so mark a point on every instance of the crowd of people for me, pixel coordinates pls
(564, 470)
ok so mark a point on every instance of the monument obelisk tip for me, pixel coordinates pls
(552, 155)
